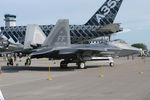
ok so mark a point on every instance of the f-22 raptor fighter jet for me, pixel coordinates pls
(58, 46)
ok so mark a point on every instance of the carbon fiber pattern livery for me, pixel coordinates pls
(77, 32)
(106, 14)
(103, 17)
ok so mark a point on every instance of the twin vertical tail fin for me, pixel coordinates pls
(106, 14)
(34, 35)
(59, 37)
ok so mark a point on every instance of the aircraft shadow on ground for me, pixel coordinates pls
(12, 69)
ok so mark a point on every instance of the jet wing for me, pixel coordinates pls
(100, 48)
(77, 50)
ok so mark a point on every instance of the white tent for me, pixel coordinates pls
(1, 96)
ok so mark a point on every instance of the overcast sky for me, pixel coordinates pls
(134, 15)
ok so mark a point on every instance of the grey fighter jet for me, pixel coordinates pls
(58, 46)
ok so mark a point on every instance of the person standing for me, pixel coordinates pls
(15, 57)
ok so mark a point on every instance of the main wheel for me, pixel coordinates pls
(111, 64)
(63, 64)
(81, 65)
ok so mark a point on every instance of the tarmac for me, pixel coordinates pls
(121, 82)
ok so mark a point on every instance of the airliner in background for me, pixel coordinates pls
(100, 24)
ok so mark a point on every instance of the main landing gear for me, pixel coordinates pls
(63, 64)
(80, 65)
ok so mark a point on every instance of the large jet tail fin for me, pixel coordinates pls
(34, 35)
(59, 37)
(106, 14)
